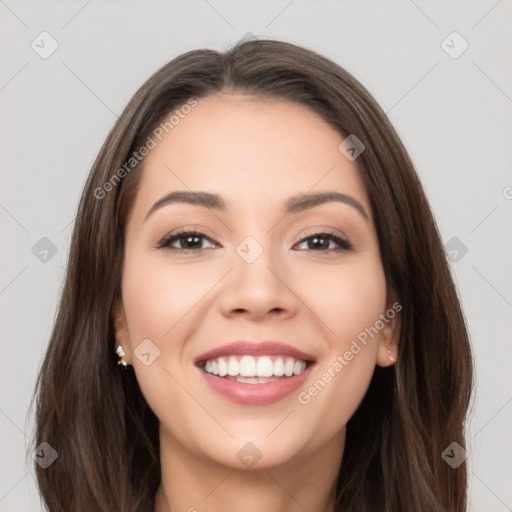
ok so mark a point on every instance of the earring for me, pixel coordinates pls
(121, 353)
(390, 357)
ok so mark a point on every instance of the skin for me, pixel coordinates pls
(255, 154)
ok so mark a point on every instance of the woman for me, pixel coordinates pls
(258, 313)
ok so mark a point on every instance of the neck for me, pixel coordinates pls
(195, 483)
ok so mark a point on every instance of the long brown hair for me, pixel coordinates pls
(94, 415)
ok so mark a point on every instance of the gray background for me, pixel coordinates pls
(453, 114)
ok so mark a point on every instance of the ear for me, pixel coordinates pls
(389, 335)
(122, 336)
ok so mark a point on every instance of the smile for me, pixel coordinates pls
(255, 370)
(251, 373)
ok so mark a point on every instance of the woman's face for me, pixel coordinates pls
(264, 263)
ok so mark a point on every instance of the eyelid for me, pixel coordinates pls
(323, 229)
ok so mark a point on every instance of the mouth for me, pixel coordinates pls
(255, 374)
(255, 370)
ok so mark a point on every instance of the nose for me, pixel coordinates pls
(260, 288)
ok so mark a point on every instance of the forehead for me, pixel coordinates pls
(252, 151)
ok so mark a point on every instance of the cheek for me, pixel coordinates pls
(157, 295)
(349, 299)
(159, 299)
(346, 298)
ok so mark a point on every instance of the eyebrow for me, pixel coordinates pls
(293, 204)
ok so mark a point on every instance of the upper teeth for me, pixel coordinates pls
(248, 366)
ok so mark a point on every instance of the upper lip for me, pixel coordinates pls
(262, 348)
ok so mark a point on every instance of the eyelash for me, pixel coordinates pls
(344, 245)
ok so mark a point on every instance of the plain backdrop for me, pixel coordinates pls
(450, 104)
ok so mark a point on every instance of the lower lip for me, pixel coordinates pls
(256, 394)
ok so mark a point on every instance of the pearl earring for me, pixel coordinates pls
(121, 353)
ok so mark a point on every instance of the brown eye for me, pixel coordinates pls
(320, 242)
(188, 241)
